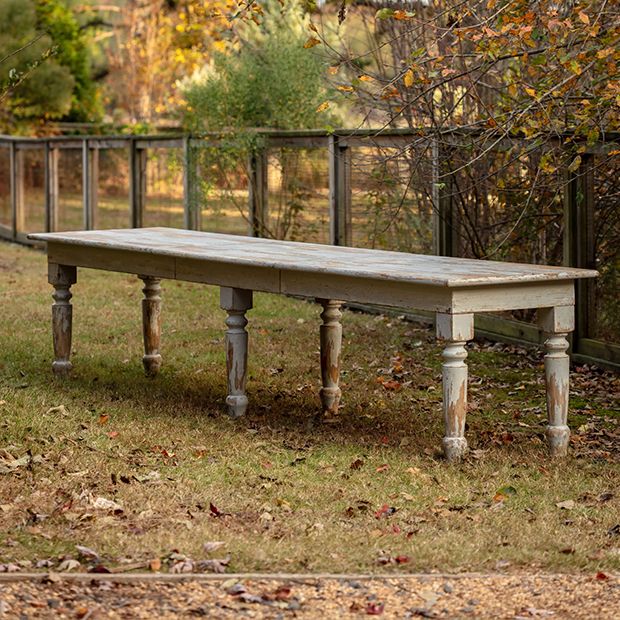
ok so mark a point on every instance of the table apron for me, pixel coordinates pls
(325, 285)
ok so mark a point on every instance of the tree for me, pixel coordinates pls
(526, 85)
(265, 79)
(155, 44)
(46, 73)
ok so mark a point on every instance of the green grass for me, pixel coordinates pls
(293, 499)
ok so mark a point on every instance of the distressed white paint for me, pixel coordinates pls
(557, 319)
(457, 329)
(455, 326)
(557, 323)
(236, 302)
(151, 325)
(61, 278)
(312, 257)
(557, 382)
(331, 347)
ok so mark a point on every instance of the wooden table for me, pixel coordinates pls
(454, 288)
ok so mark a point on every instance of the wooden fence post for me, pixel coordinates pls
(340, 218)
(258, 192)
(51, 187)
(17, 189)
(191, 207)
(445, 224)
(579, 243)
(137, 183)
(90, 182)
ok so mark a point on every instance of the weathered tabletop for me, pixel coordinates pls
(350, 274)
(454, 288)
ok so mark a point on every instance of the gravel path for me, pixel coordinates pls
(421, 596)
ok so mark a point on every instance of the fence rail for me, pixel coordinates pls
(579, 239)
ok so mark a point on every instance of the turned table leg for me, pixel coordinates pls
(331, 347)
(61, 277)
(557, 323)
(456, 329)
(236, 302)
(151, 324)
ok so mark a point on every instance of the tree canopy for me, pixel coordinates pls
(45, 70)
(264, 78)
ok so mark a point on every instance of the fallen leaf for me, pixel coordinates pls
(87, 553)
(392, 385)
(214, 565)
(235, 589)
(604, 497)
(182, 566)
(210, 547)
(568, 504)
(68, 565)
(583, 17)
(60, 409)
(357, 464)
(374, 609)
(385, 511)
(101, 503)
(504, 493)
(152, 476)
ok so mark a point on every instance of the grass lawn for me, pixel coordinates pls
(366, 492)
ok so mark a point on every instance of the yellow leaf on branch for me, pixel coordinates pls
(323, 106)
(408, 78)
(311, 42)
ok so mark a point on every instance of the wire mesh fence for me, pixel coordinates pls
(70, 212)
(6, 218)
(606, 246)
(221, 189)
(298, 194)
(112, 210)
(391, 199)
(411, 193)
(33, 213)
(164, 203)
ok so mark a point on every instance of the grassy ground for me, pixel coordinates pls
(368, 492)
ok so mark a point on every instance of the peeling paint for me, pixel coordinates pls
(237, 353)
(151, 325)
(331, 347)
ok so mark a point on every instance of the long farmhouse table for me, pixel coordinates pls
(453, 288)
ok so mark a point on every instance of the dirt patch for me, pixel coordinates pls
(426, 596)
